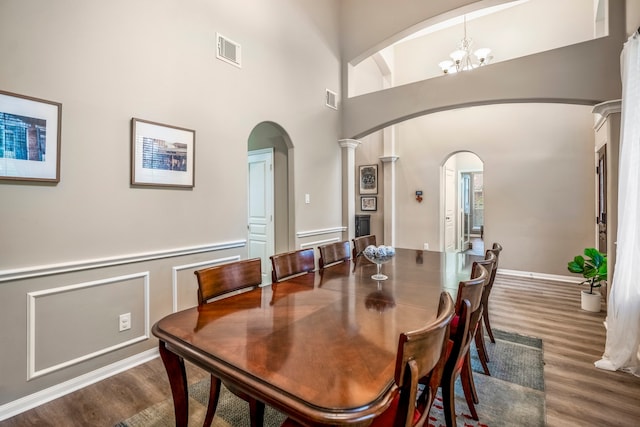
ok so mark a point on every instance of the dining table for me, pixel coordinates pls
(320, 347)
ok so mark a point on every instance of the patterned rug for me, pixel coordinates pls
(512, 396)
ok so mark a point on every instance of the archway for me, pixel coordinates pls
(463, 203)
(269, 137)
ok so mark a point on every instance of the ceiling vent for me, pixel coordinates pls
(228, 51)
(331, 99)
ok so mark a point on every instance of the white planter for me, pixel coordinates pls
(591, 302)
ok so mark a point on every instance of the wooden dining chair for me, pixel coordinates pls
(495, 249)
(468, 312)
(419, 352)
(490, 263)
(334, 253)
(290, 264)
(214, 282)
(360, 243)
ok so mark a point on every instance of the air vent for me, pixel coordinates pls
(229, 51)
(331, 99)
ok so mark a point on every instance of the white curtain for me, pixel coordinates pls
(622, 351)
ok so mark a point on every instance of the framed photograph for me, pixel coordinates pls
(369, 179)
(162, 155)
(368, 203)
(29, 138)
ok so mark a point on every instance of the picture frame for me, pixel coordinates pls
(369, 203)
(368, 179)
(30, 138)
(162, 155)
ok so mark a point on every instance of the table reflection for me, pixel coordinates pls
(379, 300)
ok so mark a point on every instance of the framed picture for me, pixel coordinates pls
(368, 203)
(29, 138)
(162, 155)
(369, 179)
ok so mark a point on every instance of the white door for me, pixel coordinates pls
(261, 229)
(449, 210)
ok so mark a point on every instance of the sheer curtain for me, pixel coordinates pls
(622, 350)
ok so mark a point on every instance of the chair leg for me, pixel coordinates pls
(214, 394)
(449, 401)
(466, 375)
(256, 410)
(482, 350)
(487, 324)
(469, 389)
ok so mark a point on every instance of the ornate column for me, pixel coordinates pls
(389, 189)
(349, 185)
(607, 136)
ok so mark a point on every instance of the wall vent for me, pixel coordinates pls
(331, 99)
(228, 51)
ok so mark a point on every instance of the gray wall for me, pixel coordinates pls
(92, 243)
(538, 179)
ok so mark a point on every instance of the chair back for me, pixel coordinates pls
(291, 264)
(495, 250)
(471, 290)
(334, 253)
(360, 243)
(419, 353)
(469, 311)
(225, 278)
(490, 264)
(460, 338)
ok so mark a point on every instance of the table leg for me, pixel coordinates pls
(178, 381)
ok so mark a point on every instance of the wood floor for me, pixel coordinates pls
(577, 394)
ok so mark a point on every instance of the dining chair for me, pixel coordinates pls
(217, 281)
(334, 253)
(419, 352)
(468, 311)
(495, 249)
(360, 243)
(490, 263)
(290, 264)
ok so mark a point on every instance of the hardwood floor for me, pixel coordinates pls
(577, 394)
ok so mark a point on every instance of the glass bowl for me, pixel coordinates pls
(379, 255)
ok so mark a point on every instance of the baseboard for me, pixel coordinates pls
(542, 276)
(36, 399)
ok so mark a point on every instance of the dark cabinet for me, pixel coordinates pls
(362, 225)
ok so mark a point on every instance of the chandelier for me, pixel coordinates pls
(462, 59)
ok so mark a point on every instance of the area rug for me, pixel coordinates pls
(512, 396)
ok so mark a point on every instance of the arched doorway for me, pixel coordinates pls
(463, 203)
(270, 208)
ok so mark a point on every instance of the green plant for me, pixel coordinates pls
(593, 267)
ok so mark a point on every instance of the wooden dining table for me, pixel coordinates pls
(320, 347)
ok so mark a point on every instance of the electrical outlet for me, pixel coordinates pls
(426, 246)
(125, 322)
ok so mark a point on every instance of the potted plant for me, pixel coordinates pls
(593, 267)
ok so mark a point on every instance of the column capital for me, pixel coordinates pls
(349, 143)
(389, 159)
(604, 109)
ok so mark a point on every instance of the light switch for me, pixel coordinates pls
(307, 198)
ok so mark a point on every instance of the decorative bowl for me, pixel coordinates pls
(379, 255)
